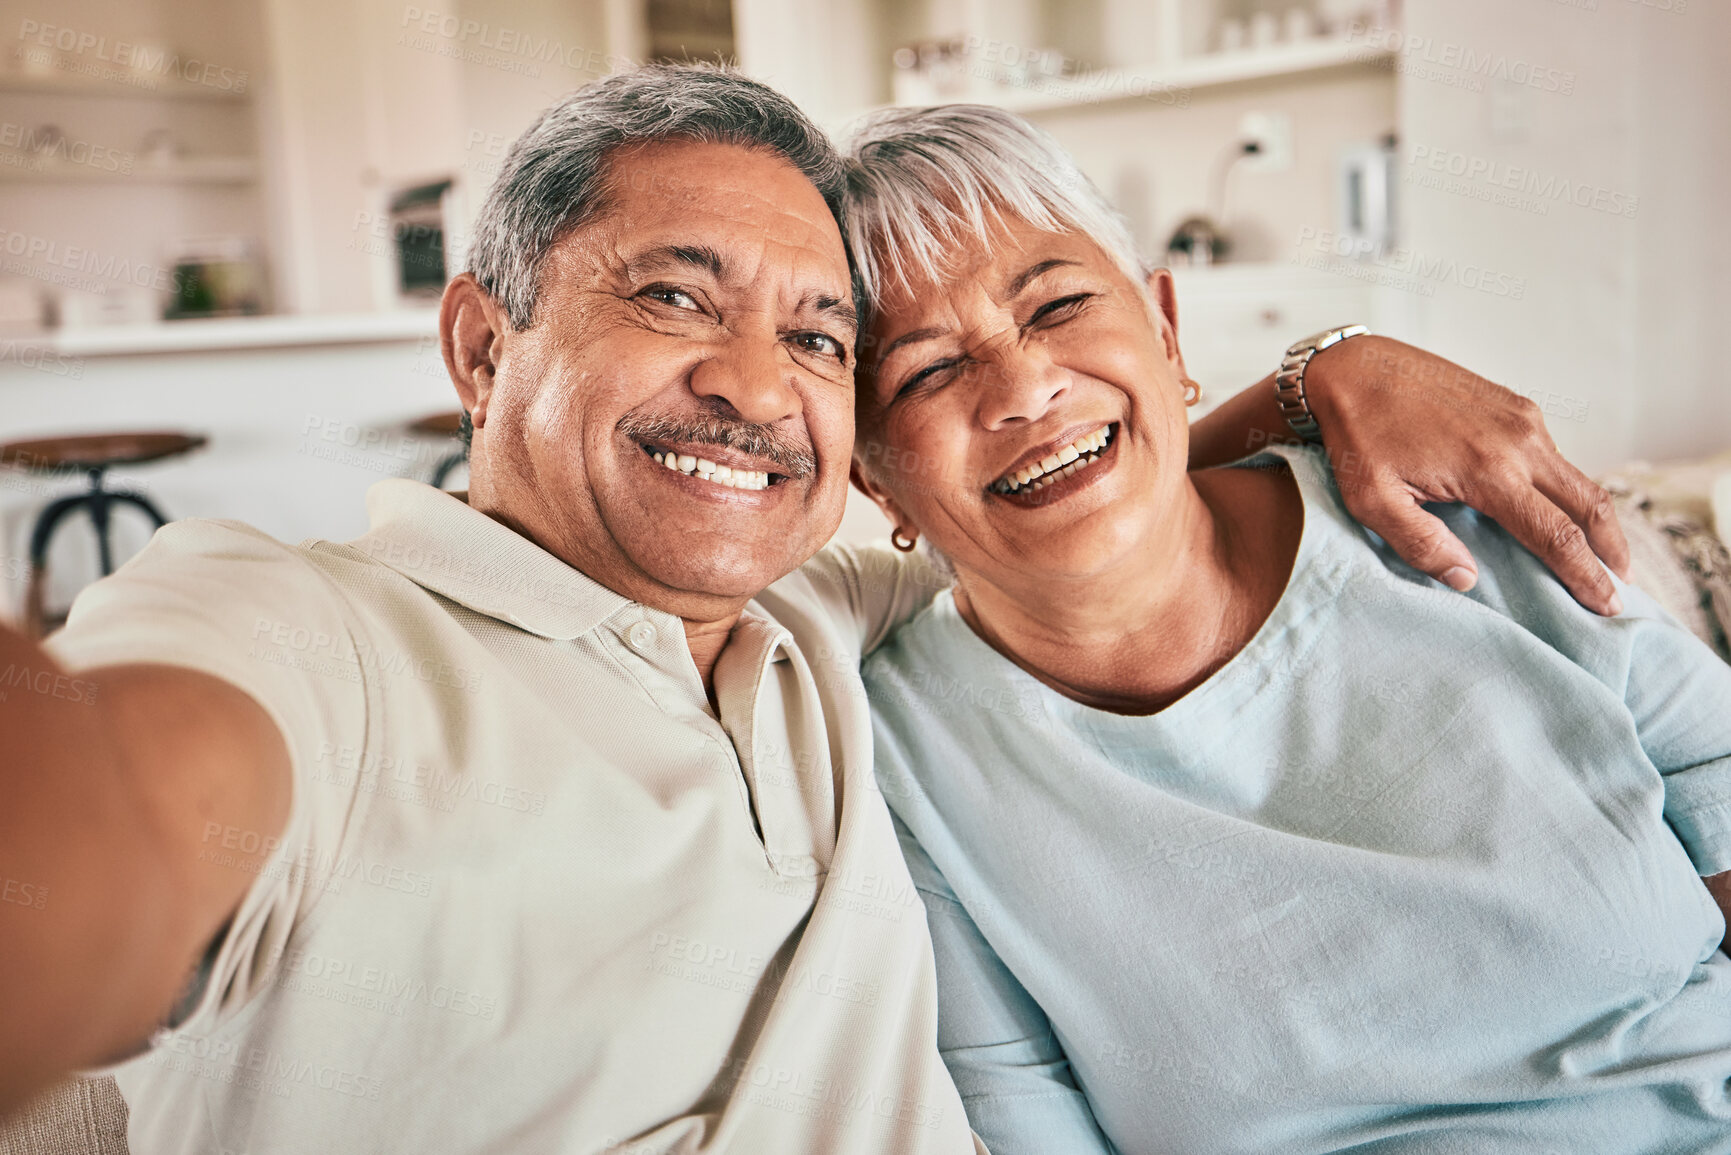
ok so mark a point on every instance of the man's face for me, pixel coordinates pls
(704, 319)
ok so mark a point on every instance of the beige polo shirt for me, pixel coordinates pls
(535, 894)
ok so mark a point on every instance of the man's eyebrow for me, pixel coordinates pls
(697, 256)
(835, 307)
(1024, 278)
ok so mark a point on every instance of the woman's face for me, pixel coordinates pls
(1038, 356)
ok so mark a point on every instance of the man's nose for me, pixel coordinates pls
(1018, 384)
(750, 373)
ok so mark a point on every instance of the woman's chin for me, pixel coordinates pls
(1088, 548)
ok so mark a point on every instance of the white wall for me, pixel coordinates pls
(1156, 159)
(375, 95)
(1621, 314)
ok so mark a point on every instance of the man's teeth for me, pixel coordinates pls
(709, 471)
(1074, 457)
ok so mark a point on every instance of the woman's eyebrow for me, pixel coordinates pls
(911, 337)
(1022, 279)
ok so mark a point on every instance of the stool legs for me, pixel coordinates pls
(98, 503)
(446, 464)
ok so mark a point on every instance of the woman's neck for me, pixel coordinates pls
(1138, 638)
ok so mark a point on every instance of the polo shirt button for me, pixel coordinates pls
(642, 635)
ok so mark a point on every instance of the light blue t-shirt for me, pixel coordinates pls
(1414, 872)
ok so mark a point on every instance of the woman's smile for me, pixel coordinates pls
(1047, 476)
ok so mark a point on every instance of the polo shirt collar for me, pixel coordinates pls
(442, 544)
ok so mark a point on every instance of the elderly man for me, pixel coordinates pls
(544, 820)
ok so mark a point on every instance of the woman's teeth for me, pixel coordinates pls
(1073, 458)
(709, 471)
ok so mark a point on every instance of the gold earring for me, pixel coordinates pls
(1192, 391)
(897, 538)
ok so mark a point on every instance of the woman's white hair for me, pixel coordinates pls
(926, 183)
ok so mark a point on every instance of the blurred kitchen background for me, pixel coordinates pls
(231, 219)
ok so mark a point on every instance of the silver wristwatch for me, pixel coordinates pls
(1289, 381)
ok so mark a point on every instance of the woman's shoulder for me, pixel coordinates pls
(1512, 581)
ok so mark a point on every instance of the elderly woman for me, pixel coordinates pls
(1237, 834)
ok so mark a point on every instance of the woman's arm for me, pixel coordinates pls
(1403, 427)
(1012, 1073)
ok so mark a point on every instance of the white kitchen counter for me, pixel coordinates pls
(242, 333)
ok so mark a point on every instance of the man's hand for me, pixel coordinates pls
(1404, 427)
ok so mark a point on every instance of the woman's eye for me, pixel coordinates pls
(1060, 309)
(929, 373)
(668, 295)
(821, 343)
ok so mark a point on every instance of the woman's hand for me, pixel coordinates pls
(1403, 427)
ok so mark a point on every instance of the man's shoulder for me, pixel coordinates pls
(234, 552)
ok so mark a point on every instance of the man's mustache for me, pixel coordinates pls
(792, 455)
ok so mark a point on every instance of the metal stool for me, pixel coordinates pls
(442, 425)
(94, 454)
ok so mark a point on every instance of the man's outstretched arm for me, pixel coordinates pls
(1403, 427)
(108, 782)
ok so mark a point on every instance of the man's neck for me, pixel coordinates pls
(706, 640)
(706, 632)
(1136, 641)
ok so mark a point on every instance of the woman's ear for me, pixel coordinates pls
(1164, 294)
(880, 497)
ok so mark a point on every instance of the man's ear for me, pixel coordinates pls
(880, 497)
(472, 330)
(1164, 294)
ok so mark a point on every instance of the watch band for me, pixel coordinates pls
(1289, 380)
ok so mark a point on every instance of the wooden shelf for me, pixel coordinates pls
(1169, 84)
(19, 168)
(148, 87)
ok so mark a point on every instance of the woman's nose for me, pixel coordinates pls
(1018, 385)
(750, 374)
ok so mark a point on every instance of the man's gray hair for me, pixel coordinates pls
(923, 184)
(555, 176)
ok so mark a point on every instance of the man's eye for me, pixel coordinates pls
(820, 343)
(1061, 309)
(668, 295)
